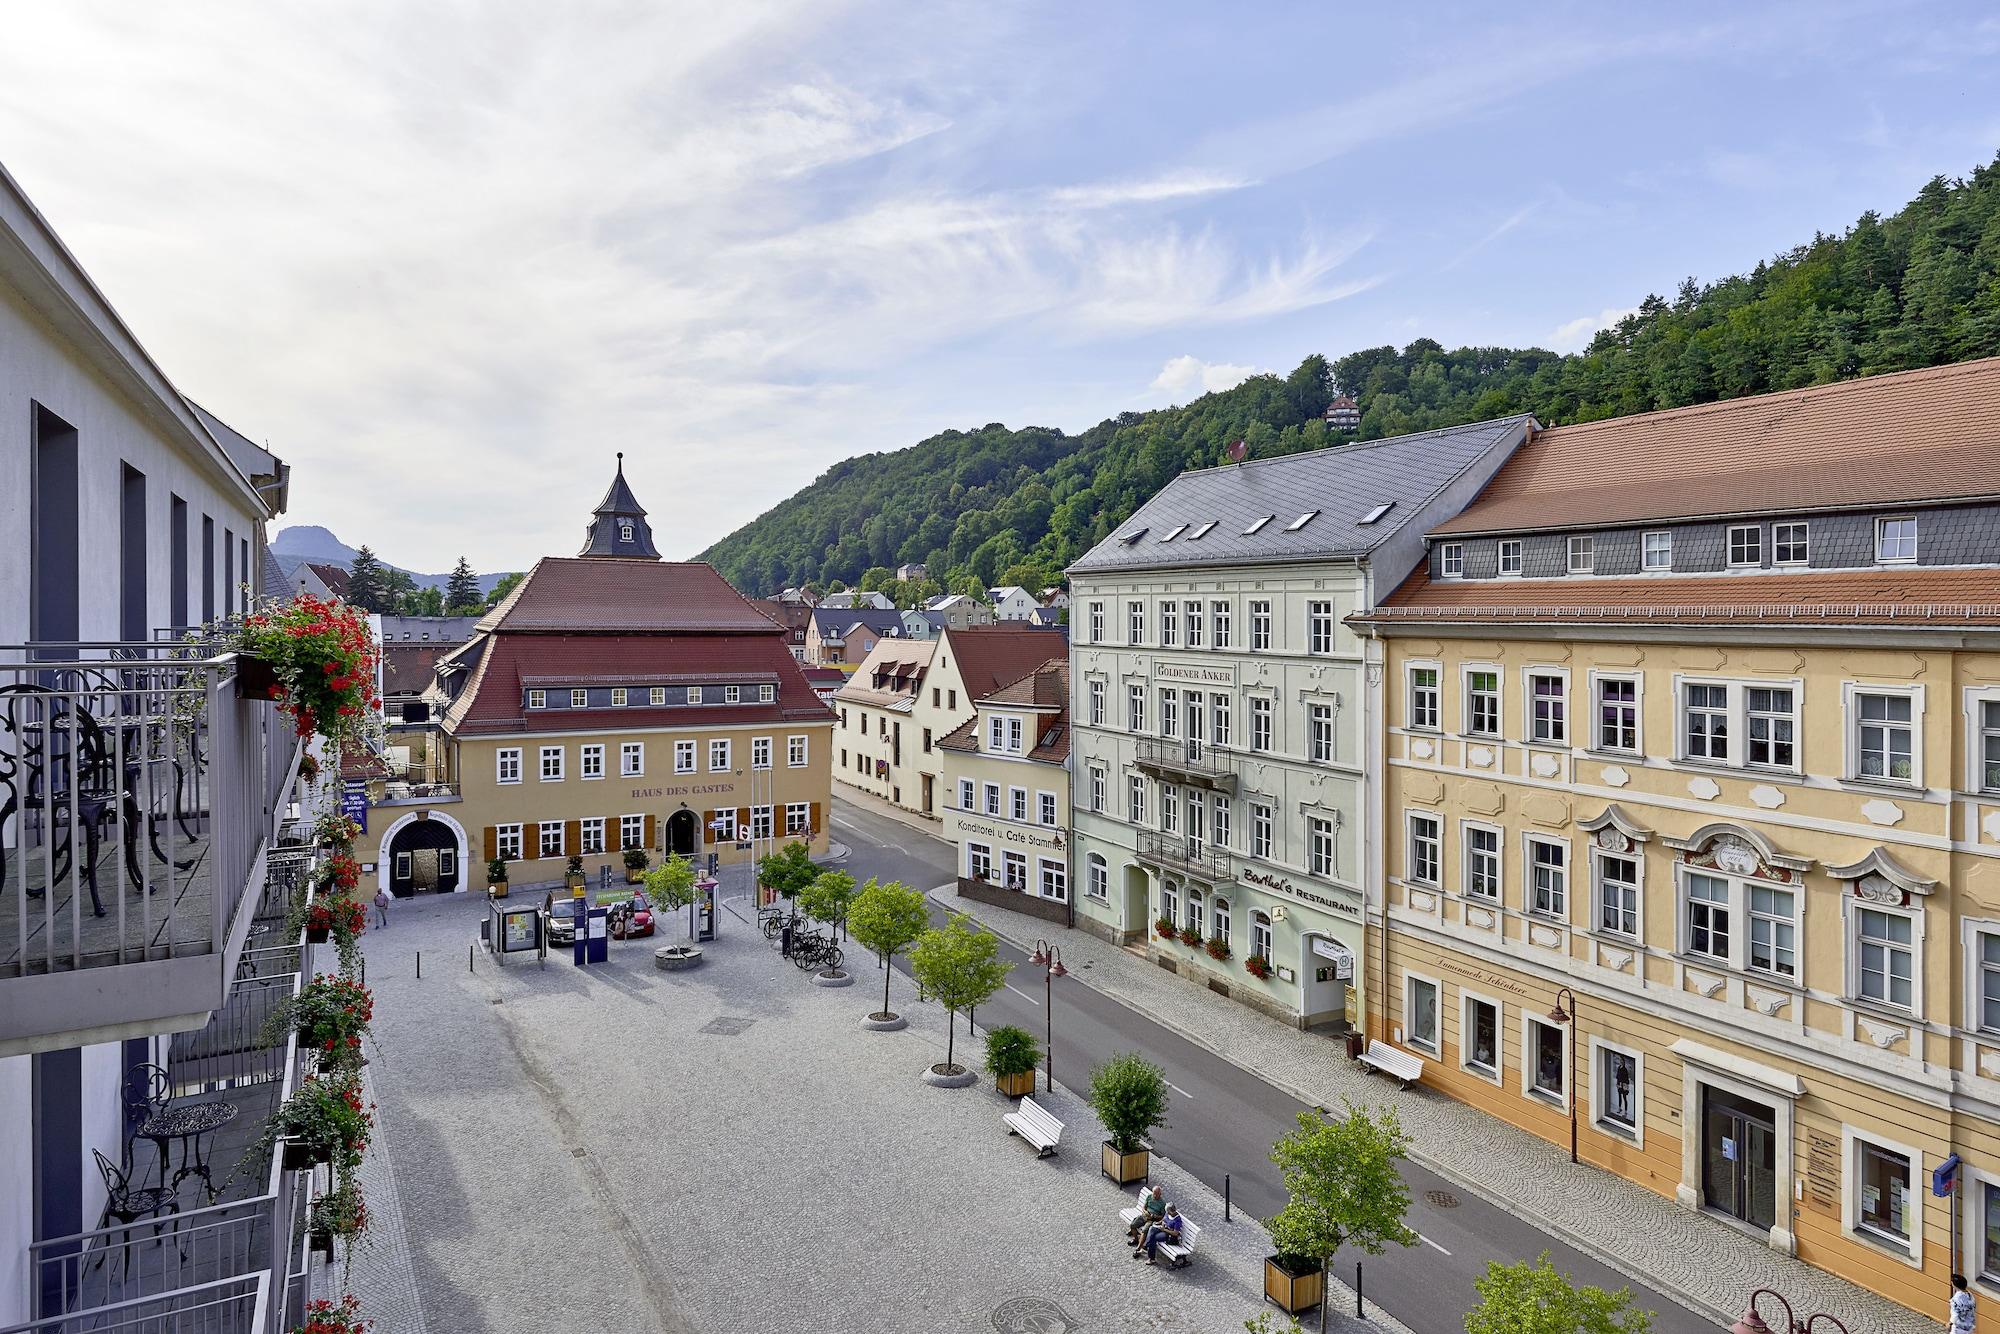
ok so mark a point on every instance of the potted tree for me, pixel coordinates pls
(1129, 1095)
(573, 872)
(827, 900)
(1011, 1058)
(887, 919)
(1341, 1174)
(671, 886)
(636, 861)
(957, 965)
(496, 877)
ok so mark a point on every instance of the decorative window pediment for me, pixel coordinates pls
(1735, 850)
(1880, 878)
(1615, 831)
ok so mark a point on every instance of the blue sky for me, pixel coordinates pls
(446, 259)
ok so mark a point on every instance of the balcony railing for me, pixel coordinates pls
(139, 798)
(221, 1307)
(1191, 856)
(1187, 759)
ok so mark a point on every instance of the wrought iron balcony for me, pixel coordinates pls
(1187, 761)
(1189, 856)
(139, 799)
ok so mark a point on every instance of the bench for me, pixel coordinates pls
(1398, 1065)
(1177, 1254)
(1130, 1216)
(1032, 1122)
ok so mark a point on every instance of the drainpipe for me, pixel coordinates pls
(1377, 885)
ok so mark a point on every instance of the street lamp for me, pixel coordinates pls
(1049, 957)
(1752, 1323)
(1559, 1015)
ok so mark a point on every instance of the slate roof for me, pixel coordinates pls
(451, 630)
(835, 622)
(1343, 483)
(1914, 596)
(581, 595)
(1910, 438)
(601, 537)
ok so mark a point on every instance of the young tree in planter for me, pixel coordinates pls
(671, 886)
(1129, 1095)
(1345, 1189)
(828, 898)
(788, 870)
(1011, 1058)
(887, 919)
(956, 964)
(1538, 1299)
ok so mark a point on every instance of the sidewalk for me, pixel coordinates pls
(1711, 1268)
(874, 805)
(381, 1272)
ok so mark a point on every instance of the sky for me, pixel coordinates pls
(447, 259)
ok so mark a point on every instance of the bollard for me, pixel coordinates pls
(1357, 1290)
(1225, 1197)
(420, 963)
(364, 971)
(468, 958)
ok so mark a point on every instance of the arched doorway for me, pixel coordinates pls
(423, 852)
(683, 833)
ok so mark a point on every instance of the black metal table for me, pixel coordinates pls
(191, 1123)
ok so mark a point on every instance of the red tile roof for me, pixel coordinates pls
(580, 596)
(1910, 596)
(991, 656)
(1910, 438)
(332, 576)
(1045, 688)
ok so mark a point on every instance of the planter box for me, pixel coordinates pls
(497, 888)
(1016, 1086)
(1289, 1292)
(316, 935)
(254, 678)
(322, 1242)
(1125, 1168)
(300, 1157)
(633, 877)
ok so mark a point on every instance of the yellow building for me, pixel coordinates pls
(613, 701)
(1006, 803)
(1693, 814)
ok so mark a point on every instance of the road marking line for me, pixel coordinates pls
(1022, 994)
(1178, 1089)
(1433, 1245)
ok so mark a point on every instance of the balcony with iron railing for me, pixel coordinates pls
(1187, 856)
(1187, 760)
(139, 802)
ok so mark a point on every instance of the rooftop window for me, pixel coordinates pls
(1259, 524)
(1301, 521)
(1133, 536)
(1372, 515)
(1174, 532)
(1201, 531)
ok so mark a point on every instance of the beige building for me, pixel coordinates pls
(1006, 795)
(1693, 815)
(613, 701)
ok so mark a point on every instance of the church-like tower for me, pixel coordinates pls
(619, 530)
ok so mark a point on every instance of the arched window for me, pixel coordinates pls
(1194, 911)
(624, 530)
(1169, 910)
(1221, 916)
(1260, 935)
(1096, 877)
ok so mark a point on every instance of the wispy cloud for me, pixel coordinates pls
(1186, 377)
(1575, 335)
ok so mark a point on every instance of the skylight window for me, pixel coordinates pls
(1174, 532)
(1133, 536)
(1201, 531)
(1301, 521)
(1372, 515)
(1259, 524)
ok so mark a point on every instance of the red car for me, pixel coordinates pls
(634, 917)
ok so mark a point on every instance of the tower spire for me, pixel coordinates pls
(618, 529)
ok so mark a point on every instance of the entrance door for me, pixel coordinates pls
(1739, 1158)
(424, 870)
(683, 833)
(423, 858)
(1326, 969)
(927, 794)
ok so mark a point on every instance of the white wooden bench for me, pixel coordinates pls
(1132, 1215)
(1032, 1122)
(1398, 1065)
(1178, 1253)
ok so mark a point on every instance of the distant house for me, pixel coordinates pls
(851, 600)
(323, 580)
(794, 616)
(961, 612)
(844, 634)
(1055, 597)
(1013, 603)
(825, 681)
(913, 571)
(796, 595)
(1343, 414)
(921, 624)
(1047, 618)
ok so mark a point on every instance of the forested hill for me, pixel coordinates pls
(1000, 506)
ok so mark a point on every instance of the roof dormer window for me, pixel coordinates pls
(1301, 521)
(1201, 532)
(1174, 532)
(1259, 524)
(1375, 514)
(1133, 536)
(624, 530)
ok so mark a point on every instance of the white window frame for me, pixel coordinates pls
(1467, 881)
(760, 746)
(1530, 1021)
(1850, 700)
(1170, 808)
(1511, 566)
(507, 765)
(724, 820)
(1135, 623)
(618, 697)
(579, 698)
(590, 761)
(1319, 732)
(1851, 946)
(542, 832)
(1320, 622)
(1656, 557)
(763, 822)
(1261, 830)
(1221, 817)
(1135, 798)
(538, 699)
(767, 694)
(1530, 888)
(1977, 733)
(978, 861)
(1581, 550)
(506, 837)
(1097, 622)
(656, 695)
(1635, 1134)
(1559, 734)
(991, 794)
(968, 795)
(1737, 947)
(1260, 934)
(1135, 707)
(1221, 719)
(1014, 869)
(1017, 804)
(1637, 681)
(1194, 627)
(1322, 848)
(1635, 855)
(1882, 535)
(1451, 560)
(1416, 716)
(1411, 841)
(718, 749)
(1736, 715)
(590, 836)
(687, 757)
(1098, 786)
(1045, 809)
(1260, 626)
(1743, 546)
(550, 762)
(1097, 696)
(1466, 673)
(1262, 712)
(732, 694)
(632, 832)
(1169, 612)
(1782, 535)
(798, 751)
(798, 817)
(1096, 878)
(1851, 1140)
(1496, 1073)
(1433, 1044)
(1973, 1241)
(694, 694)
(1219, 616)
(1052, 879)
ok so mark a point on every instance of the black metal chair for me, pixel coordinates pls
(149, 1091)
(128, 1204)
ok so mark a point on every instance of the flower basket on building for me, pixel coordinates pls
(325, 1317)
(325, 1121)
(336, 831)
(338, 1213)
(1258, 967)
(1165, 929)
(1190, 936)
(1218, 949)
(321, 660)
(332, 1014)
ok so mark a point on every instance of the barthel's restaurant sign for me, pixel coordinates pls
(1030, 837)
(1198, 673)
(1284, 885)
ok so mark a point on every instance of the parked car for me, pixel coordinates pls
(631, 917)
(560, 914)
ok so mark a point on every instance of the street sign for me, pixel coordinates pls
(354, 802)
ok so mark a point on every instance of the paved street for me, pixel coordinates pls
(1224, 1120)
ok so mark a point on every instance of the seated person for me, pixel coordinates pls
(1167, 1229)
(1152, 1205)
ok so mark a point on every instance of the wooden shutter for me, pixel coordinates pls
(708, 828)
(492, 842)
(743, 824)
(812, 826)
(652, 825)
(572, 837)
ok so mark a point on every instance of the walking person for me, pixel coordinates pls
(382, 907)
(1962, 1308)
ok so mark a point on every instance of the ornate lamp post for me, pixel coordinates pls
(1752, 1323)
(1561, 1015)
(1049, 957)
